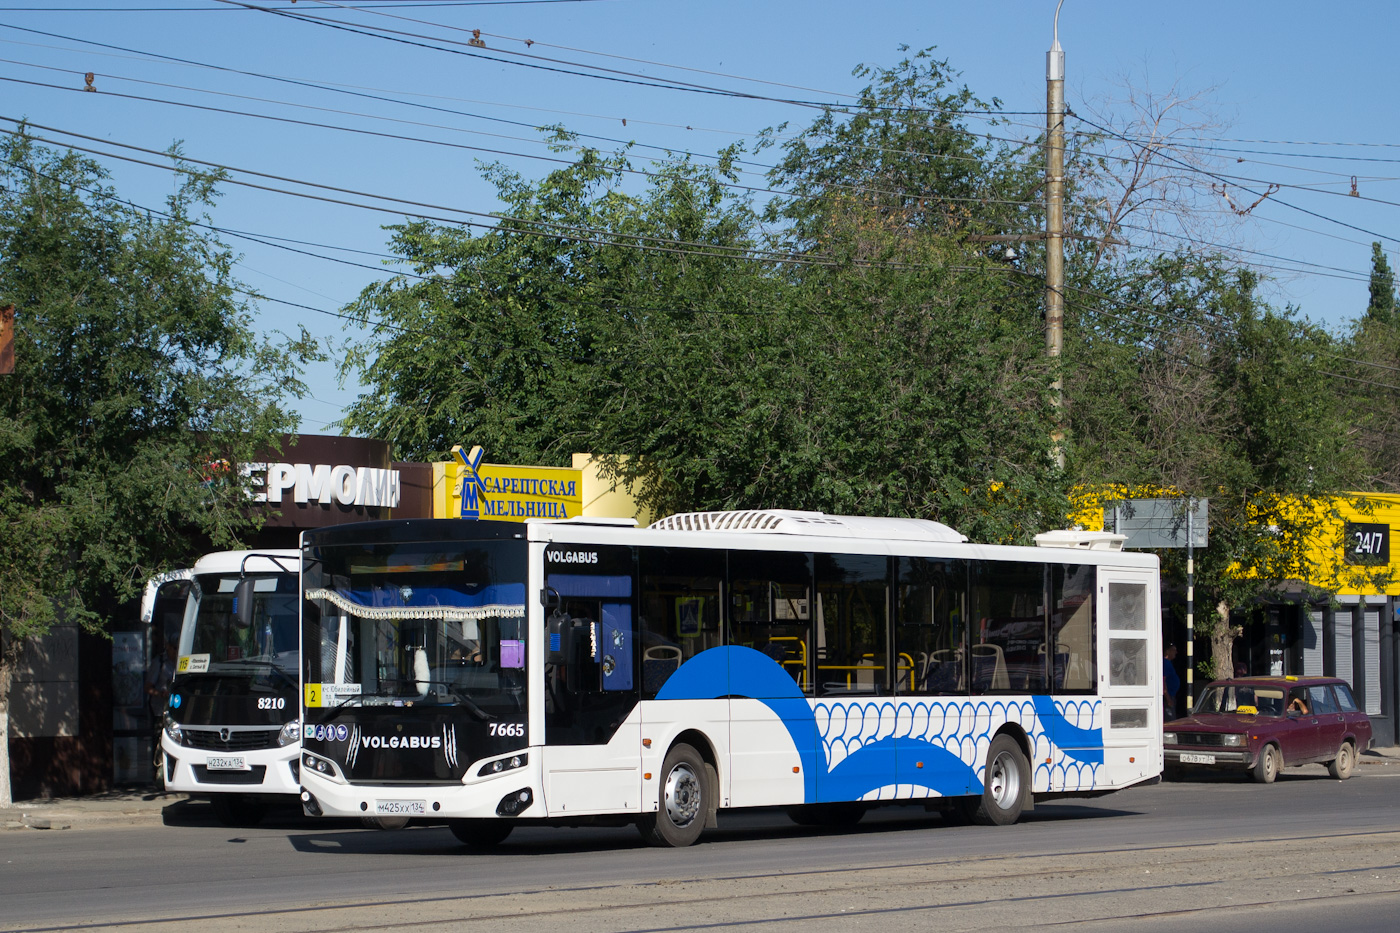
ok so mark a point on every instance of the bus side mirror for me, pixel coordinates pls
(559, 638)
(243, 602)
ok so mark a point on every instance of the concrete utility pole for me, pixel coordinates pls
(1055, 226)
(1191, 603)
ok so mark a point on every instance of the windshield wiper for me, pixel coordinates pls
(453, 692)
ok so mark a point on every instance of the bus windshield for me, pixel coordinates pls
(212, 633)
(418, 624)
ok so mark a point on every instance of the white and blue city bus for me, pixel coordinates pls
(561, 672)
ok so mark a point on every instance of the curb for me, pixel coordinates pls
(85, 812)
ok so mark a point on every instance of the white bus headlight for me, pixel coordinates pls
(172, 729)
(504, 764)
(290, 734)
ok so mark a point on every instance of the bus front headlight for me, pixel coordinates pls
(173, 730)
(290, 734)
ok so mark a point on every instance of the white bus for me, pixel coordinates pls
(231, 731)
(562, 672)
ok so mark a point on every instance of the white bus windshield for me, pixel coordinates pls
(212, 631)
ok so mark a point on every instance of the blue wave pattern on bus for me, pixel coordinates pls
(868, 745)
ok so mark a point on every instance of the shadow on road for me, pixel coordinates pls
(772, 825)
(280, 816)
(1301, 774)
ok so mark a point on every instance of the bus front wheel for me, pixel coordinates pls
(684, 800)
(1004, 786)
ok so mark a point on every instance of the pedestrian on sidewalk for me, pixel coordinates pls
(1171, 683)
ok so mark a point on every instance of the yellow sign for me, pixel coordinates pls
(192, 664)
(503, 492)
(313, 695)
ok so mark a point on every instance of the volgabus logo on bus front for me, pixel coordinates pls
(401, 741)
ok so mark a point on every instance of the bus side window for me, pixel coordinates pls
(1070, 648)
(930, 629)
(770, 609)
(852, 624)
(1008, 653)
(679, 610)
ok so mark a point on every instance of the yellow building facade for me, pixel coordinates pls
(469, 488)
(1342, 621)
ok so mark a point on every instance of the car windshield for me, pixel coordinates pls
(1241, 699)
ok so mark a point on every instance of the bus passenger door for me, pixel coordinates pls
(592, 743)
(1129, 714)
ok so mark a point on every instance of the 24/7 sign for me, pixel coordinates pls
(1366, 543)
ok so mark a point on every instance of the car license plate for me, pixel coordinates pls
(400, 807)
(1189, 759)
(227, 763)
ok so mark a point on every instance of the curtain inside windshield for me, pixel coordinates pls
(412, 624)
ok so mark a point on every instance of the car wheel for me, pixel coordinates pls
(480, 834)
(1005, 784)
(1268, 765)
(1345, 762)
(685, 800)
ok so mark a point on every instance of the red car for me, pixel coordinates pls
(1264, 724)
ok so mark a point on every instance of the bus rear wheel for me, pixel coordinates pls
(1004, 786)
(480, 834)
(684, 803)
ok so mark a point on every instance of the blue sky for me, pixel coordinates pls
(1306, 91)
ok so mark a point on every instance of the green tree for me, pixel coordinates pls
(514, 338)
(899, 378)
(1372, 361)
(903, 159)
(1183, 382)
(138, 388)
(1381, 307)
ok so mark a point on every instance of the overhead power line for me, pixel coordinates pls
(1223, 178)
(469, 50)
(361, 92)
(530, 43)
(381, 94)
(408, 207)
(751, 189)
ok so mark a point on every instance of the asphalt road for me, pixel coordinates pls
(1306, 853)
